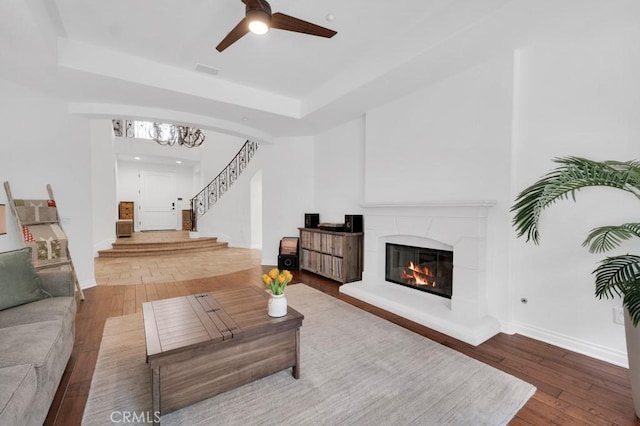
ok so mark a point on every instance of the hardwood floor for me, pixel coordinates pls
(572, 389)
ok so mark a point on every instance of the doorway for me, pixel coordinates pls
(157, 201)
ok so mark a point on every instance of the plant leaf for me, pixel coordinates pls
(616, 275)
(607, 238)
(573, 174)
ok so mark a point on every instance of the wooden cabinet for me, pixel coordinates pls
(125, 210)
(186, 220)
(335, 255)
(124, 226)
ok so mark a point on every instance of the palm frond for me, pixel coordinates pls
(573, 174)
(616, 275)
(607, 238)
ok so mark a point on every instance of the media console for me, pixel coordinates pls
(336, 255)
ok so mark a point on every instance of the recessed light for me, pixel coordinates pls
(178, 162)
(330, 17)
(245, 118)
(136, 158)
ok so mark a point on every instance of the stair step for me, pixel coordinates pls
(196, 242)
(159, 248)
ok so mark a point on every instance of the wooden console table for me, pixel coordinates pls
(201, 345)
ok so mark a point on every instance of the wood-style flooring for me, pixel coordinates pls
(572, 389)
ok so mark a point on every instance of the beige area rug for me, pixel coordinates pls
(356, 369)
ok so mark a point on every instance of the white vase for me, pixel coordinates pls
(277, 305)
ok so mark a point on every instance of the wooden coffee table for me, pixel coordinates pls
(204, 344)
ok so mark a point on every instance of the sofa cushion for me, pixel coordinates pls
(52, 308)
(19, 283)
(42, 344)
(17, 392)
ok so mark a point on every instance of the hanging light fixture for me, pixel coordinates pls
(190, 137)
(162, 133)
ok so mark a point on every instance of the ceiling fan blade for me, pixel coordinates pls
(289, 23)
(234, 35)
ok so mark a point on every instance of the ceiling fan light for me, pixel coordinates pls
(258, 22)
(258, 27)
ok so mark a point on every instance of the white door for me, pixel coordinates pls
(157, 201)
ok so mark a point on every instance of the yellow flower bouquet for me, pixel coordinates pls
(277, 280)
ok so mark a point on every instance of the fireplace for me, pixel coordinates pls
(421, 268)
(448, 227)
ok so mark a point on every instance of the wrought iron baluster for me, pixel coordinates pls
(211, 193)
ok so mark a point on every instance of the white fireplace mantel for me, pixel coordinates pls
(458, 224)
(443, 203)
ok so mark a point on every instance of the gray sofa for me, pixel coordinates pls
(36, 340)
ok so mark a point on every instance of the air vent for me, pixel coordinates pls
(207, 69)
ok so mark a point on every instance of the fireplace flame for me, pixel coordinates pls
(418, 275)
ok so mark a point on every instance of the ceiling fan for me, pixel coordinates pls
(259, 19)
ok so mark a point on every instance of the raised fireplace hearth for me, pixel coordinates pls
(456, 231)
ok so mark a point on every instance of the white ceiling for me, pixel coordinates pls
(138, 58)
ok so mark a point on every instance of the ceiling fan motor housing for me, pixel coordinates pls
(258, 17)
(263, 7)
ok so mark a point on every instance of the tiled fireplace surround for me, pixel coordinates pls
(456, 226)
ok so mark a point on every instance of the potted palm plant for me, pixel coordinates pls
(615, 275)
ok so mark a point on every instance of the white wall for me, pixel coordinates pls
(42, 143)
(339, 172)
(438, 143)
(578, 96)
(103, 185)
(288, 191)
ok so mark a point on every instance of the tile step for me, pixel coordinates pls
(159, 248)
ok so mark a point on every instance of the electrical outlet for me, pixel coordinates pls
(618, 315)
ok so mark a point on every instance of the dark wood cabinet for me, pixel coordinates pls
(335, 255)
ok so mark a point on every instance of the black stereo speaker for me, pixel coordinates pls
(288, 261)
(311, 220)
(288, 254)
(353, 223)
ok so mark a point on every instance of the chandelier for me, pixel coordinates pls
(171, 134)
(162, 133)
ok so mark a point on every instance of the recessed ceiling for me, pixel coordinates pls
(139, 57)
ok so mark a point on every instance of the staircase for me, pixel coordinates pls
(158, 243)
(170, 245)
(210, 194)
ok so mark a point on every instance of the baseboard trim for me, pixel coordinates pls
(105, 244)
(84, 284)
(583, 347)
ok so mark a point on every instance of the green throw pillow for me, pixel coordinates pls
(19, 283)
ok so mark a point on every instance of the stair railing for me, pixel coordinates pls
(210, 194)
